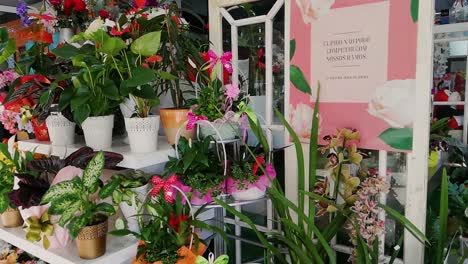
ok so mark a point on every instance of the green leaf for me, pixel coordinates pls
(141, 76)
(167, 76)
(69, 212)
(108, 189)
(298, 79)
(4, 202)
(398, 138)
(105, 208)
(147, 45)
(407, 224)
(59, 206)
(92, 172)
(313, 146)
(59, 190)
(292, 48)
(112, 46)
(110, 90)
(65, 98)
(76, 224)
(66, 51)
(81, 113)
(415, 10)
(145, 92)
(8, 51)
(443, 217)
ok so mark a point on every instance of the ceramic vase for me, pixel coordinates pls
(143, 133)
(98, 131)
(61, 130)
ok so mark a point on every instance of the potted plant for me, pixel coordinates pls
(129, 192)
(169, 236)
(83, 216)
(95, 95)
(198, 169)
(247, 181)
(179, 46)
(9, 214)
(141, 74)
(216, 102)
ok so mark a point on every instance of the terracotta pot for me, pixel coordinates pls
(172, 119)
(11, 218)
(91, 241)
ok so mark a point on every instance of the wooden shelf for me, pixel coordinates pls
(131, 160)
(120, 250)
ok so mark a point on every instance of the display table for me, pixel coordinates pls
(130, 160)
(120, 250)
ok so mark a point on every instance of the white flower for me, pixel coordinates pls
(109, 23)
(93, 27)
(313, 9)
(393, 102)
(301, 120)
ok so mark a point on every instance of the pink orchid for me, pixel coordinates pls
(193, 119)
(166, 185)
(225, 60)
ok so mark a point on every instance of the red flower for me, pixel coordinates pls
(140, 3)
(255, 165)
(104, 14)
(153, 59)
(174, 221)
(55, 2)
(115, 32)
(145, 65)
(80, 5)
(177, 21)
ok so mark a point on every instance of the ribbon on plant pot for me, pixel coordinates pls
(39, 228)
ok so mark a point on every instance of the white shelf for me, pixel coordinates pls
(120, 250)
(449, 28)
(131, 160)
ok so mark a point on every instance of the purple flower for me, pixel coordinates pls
(151, 3)
(22, 12)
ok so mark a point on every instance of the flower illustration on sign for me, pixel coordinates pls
(314, 9)
(301, 120)
(393, 102)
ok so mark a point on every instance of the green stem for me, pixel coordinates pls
(115, 63)
(337, 183)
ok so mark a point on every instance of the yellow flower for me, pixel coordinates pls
(350, 185)
(354, 156)
(331, 209)
(348, 134)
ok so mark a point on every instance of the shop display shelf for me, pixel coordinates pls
(120, 250)
(130, 160)
(449, 28)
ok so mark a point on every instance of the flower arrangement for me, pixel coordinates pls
(197, 170)
(218, 103)
(169, 236)
(246, 176)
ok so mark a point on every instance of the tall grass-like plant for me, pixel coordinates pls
(299, 236)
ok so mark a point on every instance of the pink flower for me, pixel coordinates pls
(8, 120)
(7, 77)
(193, 119)
(232, 91)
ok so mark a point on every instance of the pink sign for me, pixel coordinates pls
(363, 53)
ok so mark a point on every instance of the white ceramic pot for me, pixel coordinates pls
(130, 211)
(252, 193)
(61, 130)
(143, 133)
(227, 130)
(66, 34)
(98, 131)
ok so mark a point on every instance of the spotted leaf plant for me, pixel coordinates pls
(75, 202)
